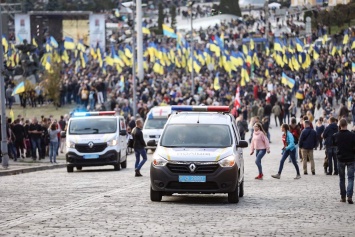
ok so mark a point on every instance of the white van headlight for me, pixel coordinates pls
(70, 144)
(158, 160)
(229, 161)
(112, 142)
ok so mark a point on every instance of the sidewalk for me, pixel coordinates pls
(28, 165)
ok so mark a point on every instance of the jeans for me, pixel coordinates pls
(53, 151)
(292, 154)
(331, 154)
(138, 153)
(259, 155)
(100, 97)
(351, 168)
(286, 115)
(36, 143)
(92, 104)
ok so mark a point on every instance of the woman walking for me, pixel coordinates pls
(260, 143)
(288, 150)
(53, 131)
(320, 129)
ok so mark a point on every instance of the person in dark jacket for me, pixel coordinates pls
(139, 146)
(329, 131)
(344, 140)
(307, 142)
(19, 132)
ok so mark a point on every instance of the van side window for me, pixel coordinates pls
(235, 134)
(122, 124)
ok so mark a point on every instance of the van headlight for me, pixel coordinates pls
(70, 144)
(112, 142)
(158, 160)
(229, 161)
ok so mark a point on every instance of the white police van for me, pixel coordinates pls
(96, 139)
(154, 124)
(198, 152)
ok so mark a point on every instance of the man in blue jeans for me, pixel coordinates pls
(344, 140)
(329, 131)
(139, 146)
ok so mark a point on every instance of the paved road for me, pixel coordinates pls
(103, 202)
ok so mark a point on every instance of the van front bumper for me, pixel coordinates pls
(109, 158)
(221, 180)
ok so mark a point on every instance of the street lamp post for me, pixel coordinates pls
(134, 67)
(191, 3)
(5, 155)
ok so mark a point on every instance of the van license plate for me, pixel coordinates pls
(192, 179)
(91, 156)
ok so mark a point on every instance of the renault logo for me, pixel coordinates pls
(91, 144)
(192, 167)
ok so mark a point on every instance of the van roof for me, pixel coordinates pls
(201, 117)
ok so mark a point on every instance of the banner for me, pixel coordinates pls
(22, 28)
(97, 30)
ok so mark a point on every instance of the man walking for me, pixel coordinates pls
(344, 140)
(329, 131)
(35, 130)
(139, 146)
(307, 142)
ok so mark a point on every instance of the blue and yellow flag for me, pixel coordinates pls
(216, 85)
(169, 32)
(353, 67)
(69, 43)
(20, 88)
(288, 81)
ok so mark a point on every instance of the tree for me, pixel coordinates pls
(53, 5)
(160, 18)
(173, 16)
(52, 83)
(230, 7)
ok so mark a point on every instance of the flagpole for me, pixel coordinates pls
(134, 67)
(5, 156)
(139, 41)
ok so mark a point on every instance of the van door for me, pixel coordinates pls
(122, 138)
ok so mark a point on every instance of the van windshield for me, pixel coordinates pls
(196, 135)
(155, 123)
(93, 126)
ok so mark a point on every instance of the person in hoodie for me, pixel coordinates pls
(329, 131)
(307, 142)
(260, 143)
(288, 150)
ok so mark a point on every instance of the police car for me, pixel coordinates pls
(154, 124)
(96, 139)
(200, 151)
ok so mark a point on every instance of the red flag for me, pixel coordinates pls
(237, 98)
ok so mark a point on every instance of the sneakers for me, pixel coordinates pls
(350, 201)
(276, 176)
(298, 176)
(260, 177)
(342, 199)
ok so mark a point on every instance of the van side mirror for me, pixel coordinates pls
(123, 133)
(151, 143)
(242, 144)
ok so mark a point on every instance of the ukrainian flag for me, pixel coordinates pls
(53, 42)
(299, 45)
(81, 46)
(216, 85)
(69, 43)
(353, 67)
(20, 88)
(287, 80)
(169, 32)
(145, 29)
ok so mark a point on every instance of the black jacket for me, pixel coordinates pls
(138, 141)
(344, 140)
(329, 131)
(308, 139)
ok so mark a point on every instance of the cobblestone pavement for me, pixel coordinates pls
(103, 202)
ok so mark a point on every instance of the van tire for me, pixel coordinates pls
(241, 189)
(70, 169)
(117, 167)
(155, 196)
(233, 197)
(124, 164)
(79, 168)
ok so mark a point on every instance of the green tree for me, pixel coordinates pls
(173, 16)
(52, 82)
(160, 18)
(230, 7)
(54, 5)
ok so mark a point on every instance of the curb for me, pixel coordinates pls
(29, 170)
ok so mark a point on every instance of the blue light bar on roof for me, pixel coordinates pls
(200, 108)
(102, 113)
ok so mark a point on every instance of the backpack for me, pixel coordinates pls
(295, 134)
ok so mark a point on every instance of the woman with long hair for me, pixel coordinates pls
(288, 150)
(260, 143)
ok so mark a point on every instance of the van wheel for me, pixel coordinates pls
(233, 197)
(155, 196)
(79, 168)
(70, 169)
(117, 166)
(124, 164)
(241, 189)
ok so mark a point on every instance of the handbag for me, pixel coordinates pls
(63, 134)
